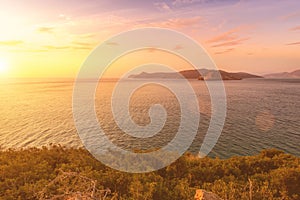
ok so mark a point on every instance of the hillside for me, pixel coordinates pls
(62, 173)
(194, 74)
(293, 74)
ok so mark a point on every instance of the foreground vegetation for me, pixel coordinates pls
(57, 172)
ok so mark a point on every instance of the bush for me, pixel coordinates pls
(28, 173)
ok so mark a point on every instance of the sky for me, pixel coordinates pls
(53, 38)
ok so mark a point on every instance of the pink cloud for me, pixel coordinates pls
(231, 43)
(229, 35)
(178, 47)
(297, 28)
(225, 51)
(229, 38)
(290, 16)
(181, 2)
(162, 6)
(293, 43)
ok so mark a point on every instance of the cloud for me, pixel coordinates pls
(50, 47)
(82, 45)
(225, 51)
(290, 16)
(231, 43)
(229, 38)
(112, 43)
(73, 45)
(183, 22)
(45, 29)
(11, 42)
(182, 2)
(178, 22)
(220, 25)
(162, 6)
(178, 47)
(228, 35)
(293, 43)
(64, 17)
(30, 50)
(87, 35)
(297, 28)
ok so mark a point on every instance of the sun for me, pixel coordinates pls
(3, 66)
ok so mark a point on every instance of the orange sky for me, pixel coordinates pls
(53, 39)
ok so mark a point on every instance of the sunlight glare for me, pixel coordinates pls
(3, 66)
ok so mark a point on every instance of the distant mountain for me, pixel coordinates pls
(294, 74)
(194, 74)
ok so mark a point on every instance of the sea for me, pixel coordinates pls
(260, 114)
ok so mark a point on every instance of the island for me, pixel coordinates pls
(201, 74)
(293, 74)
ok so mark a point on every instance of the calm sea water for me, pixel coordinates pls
(260, 114)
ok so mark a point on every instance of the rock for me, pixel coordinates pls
(204, 195)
